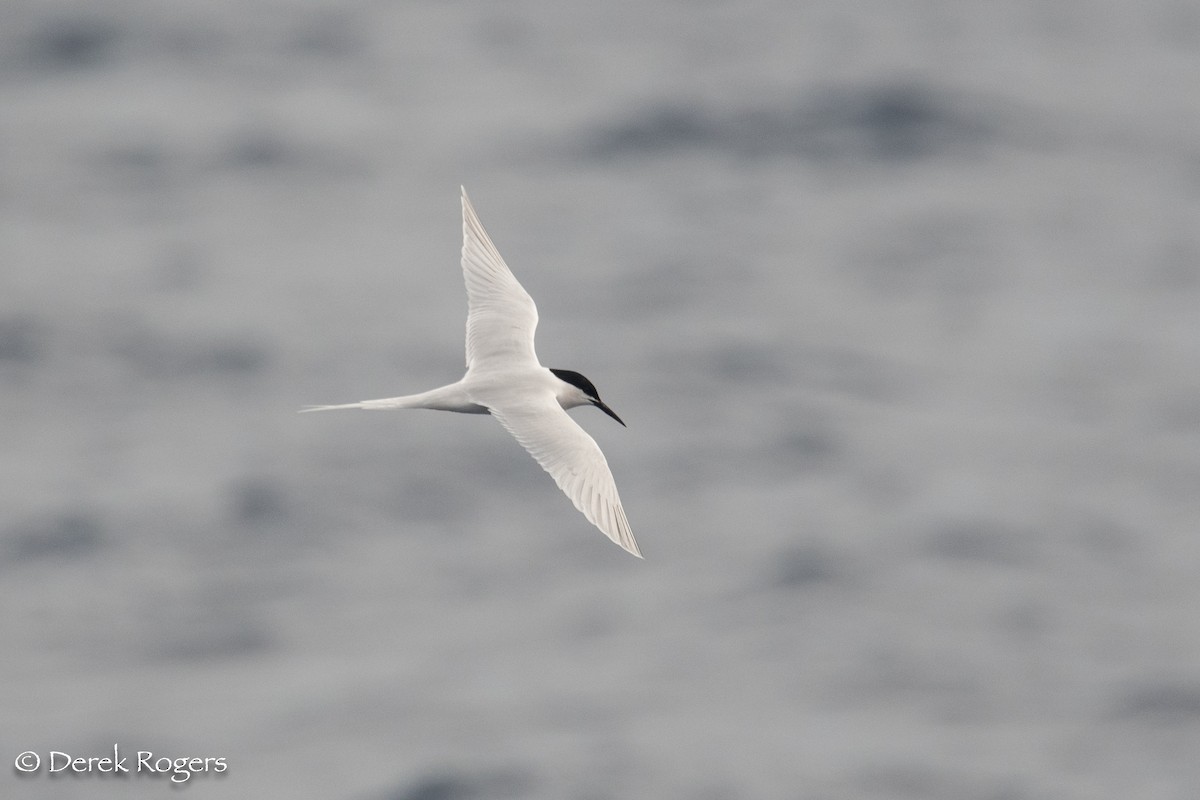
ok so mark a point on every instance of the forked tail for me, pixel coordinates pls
(306, 409)
(386, 404)
(445, 398)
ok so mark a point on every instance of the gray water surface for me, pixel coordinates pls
(901, 303)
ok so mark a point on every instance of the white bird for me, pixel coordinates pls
(505, 379)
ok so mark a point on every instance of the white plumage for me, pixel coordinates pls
(504, 378)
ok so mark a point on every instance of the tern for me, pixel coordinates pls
(505, 379)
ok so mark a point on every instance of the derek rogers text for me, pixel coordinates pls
(179, 768)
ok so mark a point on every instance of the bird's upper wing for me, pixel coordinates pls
(572, 458)
(501, 316)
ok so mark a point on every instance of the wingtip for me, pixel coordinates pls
(632, 547)
(624, 538)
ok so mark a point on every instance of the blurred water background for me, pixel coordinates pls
(901, 302)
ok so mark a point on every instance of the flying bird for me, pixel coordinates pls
(505, 379)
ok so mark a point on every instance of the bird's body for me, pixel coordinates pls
(505, 379)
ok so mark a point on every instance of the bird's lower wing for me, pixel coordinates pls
(574, 460)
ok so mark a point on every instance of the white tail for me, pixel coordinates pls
(444, 398)
(370, 405)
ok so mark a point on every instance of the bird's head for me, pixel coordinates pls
(582, 392)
